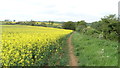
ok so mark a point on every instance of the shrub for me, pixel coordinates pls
(91, 31)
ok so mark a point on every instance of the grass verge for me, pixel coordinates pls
(95, 52)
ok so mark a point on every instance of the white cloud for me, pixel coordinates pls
(61, 10)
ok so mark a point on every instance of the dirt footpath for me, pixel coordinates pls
(73, 59)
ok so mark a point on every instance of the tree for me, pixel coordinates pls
(32, 23)
(14, 20)
(69, 25)
(80, 25)
(51, 22)
(97, 25)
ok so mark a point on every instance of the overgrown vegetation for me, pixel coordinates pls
(108, 27)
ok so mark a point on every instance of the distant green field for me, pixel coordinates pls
(95, 52)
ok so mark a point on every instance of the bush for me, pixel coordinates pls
(90, 31)
(112, 36)
(108, 26)
(80, 28)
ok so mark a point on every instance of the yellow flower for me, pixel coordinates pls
(22, 42)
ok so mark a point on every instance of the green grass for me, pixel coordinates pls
(95, 52)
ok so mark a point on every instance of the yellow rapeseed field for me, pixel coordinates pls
(30, 45)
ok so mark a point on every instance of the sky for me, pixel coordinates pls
(57, 10)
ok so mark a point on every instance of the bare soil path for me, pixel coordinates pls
(73, 59)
